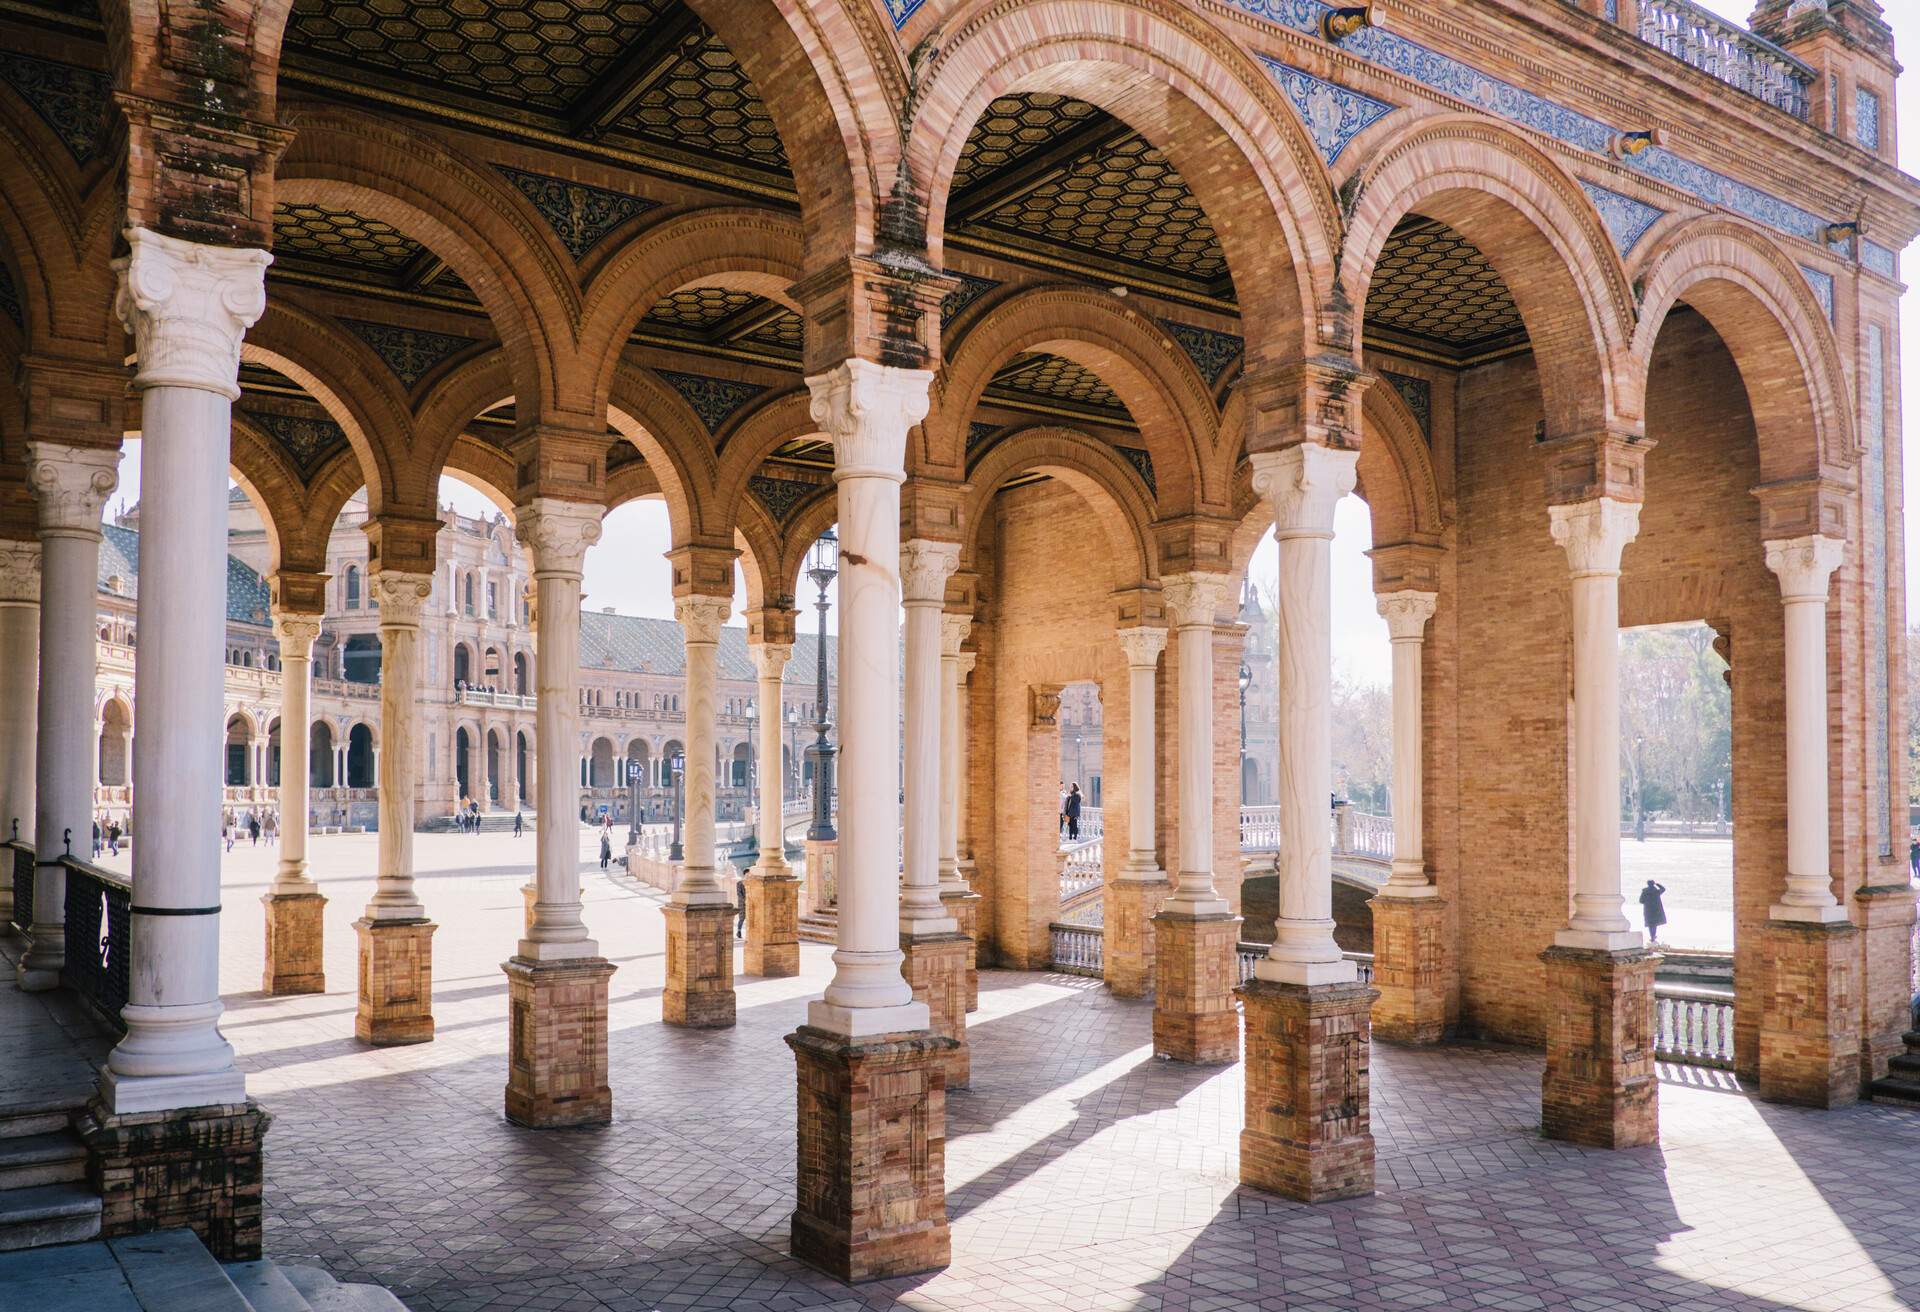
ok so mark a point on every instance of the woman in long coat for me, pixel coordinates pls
(1653, 909)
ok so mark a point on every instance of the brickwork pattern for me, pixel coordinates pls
(1308, 1132)
(936, 970)
(294, 958)
(1600, 1087)
(965, 909)
(557, 1043)
(396, 982)
(699, 990)
(1128, 950)
(198, 1167)
(1195, 971)
(1810, 1028)
(773, 925)
(1409, 965)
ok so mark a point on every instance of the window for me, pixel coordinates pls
(353, 587)
(493, 601)
(469, 601)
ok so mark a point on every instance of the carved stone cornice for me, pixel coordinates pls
(400, 595)
(19, 572)
(296, 634)
(953, 631)
(867, 410)
(1604, 463)
(187, 307)
(701, 617)
(298, 592)
(772, 624)
(1046, 705)
(925, 568)
(1805, 565)
(1594, 533)
(702, 570)
(1406, 613)
(968, 659)
(558, 533)
(72, 483)
(1143, 646)
(1312, 401)
(770, 658)
(1304, 483)
(1193, 599)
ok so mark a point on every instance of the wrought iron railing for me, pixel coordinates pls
(1728, 52)
(98, 939)
(22, 872)
(1693, 1026)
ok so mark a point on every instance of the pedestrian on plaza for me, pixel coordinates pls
(253, 827)
(1063, 806)
(740, 907)
(519, 823)
(96, 839)
(1073, 814)
(606, 850)
(1653, 909)
(113, 837)
(474, 811)
(226, 833)
(1913, 853)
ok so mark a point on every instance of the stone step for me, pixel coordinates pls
(1896, 1089)
(819, 929)
(1906, 1063)
(266, 1287)
(172, 1271)
(325, 1294)
(21, 1120)
(52, 1158)
(47, 1214)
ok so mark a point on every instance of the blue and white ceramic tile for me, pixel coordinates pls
(1866, 118)
(1879, 259)
(1873, 475)
(1822, 284)
(901, 10)
(1627, 219)
(1334, 114)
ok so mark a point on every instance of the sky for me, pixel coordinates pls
(627, 569)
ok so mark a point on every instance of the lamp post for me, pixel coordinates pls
(1639, 802)
(1246, 679)
(750, 845)
(678, 767)
(633, 804)
(822, 571)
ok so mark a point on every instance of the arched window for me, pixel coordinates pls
(353, 587)
(360, 757)
(469, 597)
(520, 673)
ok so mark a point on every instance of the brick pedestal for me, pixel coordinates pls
(773, 925)
(1409, 958)
(557, 1042)
(936, 970)
(699, 967)
(1308, 1134)
(396, 982)
(1127, 955)
(198, 1167)
(1194, 1018)
(1810, 1019)
(1600, 1088)
(294, 935)
(871, 1194)
(965, 908)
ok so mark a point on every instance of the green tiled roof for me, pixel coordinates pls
(635, 645)
(248, 601)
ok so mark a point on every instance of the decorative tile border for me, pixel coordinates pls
(579, 215)
(979, 435)
(1873, 475)
(970, 290)
(1878, 259)
(307, 441)
(1627, 218)
(780, 497)
(1142, 462)
(1334, 115)
(1822, 284)
(1418, 394)
(1210, 350)
(715, 400)
(899, 11)
(72, 100)
(412, 353)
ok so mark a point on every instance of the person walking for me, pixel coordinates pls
(253, 827)
(1073, 814)
(1653, 909)
(740, 906)
(113, 837)
(519, 823)
(1063, 806)
(96, 839)
(606, 850)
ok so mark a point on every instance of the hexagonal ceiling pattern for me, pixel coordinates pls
(1052, 384)
(1434, 289)
(341, 244)
(723, 320)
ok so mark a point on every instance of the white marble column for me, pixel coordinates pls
(187, 307)
(1594, 533)
(1143, 647)
(925, 568)
(953, 749)
(1305, 483)
(558, 533)
(769, 663)
(296, 634)
(700, 619)
(1805, 567)
(1192, 600)
(401, 595)
(20, 689)
(72, 484)
(1407, 613)
(867, 410)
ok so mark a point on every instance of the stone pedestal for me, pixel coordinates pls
(964, 907)
(1308, 1134)
(294, 937)
(699, 990)
(822, 861)
(198, 1167)
(557, 1042)
(936, 970)
(1128, 951)
(773, 925)
(396, 982)
(1600, 1087)
(1409, 958)
(871, 1193)
(1810, 1019)
(1194, 1018)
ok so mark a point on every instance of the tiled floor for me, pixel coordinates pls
(1082, 1174)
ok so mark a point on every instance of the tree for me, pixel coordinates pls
(1676, 740)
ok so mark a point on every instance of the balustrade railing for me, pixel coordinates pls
(487, 697)
(346, 688)
(98, 939)
(1350, 832)
(1693, 1026)
(1248, 955)
(1093, 821)
(1260, 828)
(1728, 52)
(1368, 835)
(21, 856)
(1078, 949)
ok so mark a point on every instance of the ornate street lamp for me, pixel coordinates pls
(1246, 679)
(822, 568)
(679, 768)
(750, 845)
(633, 806)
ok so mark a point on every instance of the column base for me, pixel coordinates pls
(529, 894)
(198, 1167)
(935, 969)
(396, 982)
(1409, 956)
(1131, 904)
(964, 907)
(1810, 1021)
(699, 990)
(295, 932)
(1308, 1132)
(39, 966)
(871, 1197)
(773, 924)
(1600, 1088)
(1194, 1019)
(557, 1042)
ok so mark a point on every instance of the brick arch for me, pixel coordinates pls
(752, 538)
(676, 448)
(632, 482)
(487, 232)
(1759, 303)
(60, 231)
(737, 246)
(779, 420)
(257, 464)
(1535, 226)
(485, 464)
(1108, 484)
(308, 350)
(1174, 77)
(467, 390)
(815, 518)
(1166, 396)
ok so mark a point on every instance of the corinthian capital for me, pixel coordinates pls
(400, 596)
(1594, 533)
(1805, 565)
(1143, 646)
(1192, 599)
(557, 532)
(701, 617)
(72, 483)
(867, 408)
(953, 631)
(19, 571)
(925, 568)
(770, 658)
(1406, 613)
(1305, 483)
(187, 306)
(297, 633)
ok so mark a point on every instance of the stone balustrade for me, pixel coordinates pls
(1728, 52)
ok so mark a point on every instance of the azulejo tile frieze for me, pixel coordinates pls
(1418, 394)
(780, 497)
(412, 353)
(714, 399)
(1334, 114)
(1822, 284)
(1627, 219)
(1210, 350)
(1142, 462)
(308, 441)
(1879, 259)
(901, 10)
(579, 215)
(970, 290)
(979, 435)
(73, 101)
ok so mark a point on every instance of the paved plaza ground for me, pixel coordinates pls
(1083, 1174)
(1698, 876)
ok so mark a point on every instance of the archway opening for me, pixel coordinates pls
(463, 763)
(116, 738)
(239, 753)
(320, 756)
(360, 758)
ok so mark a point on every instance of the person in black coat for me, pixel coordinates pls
(740, 907)
(606, 850)
(1073, 814)
(1653, 909)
